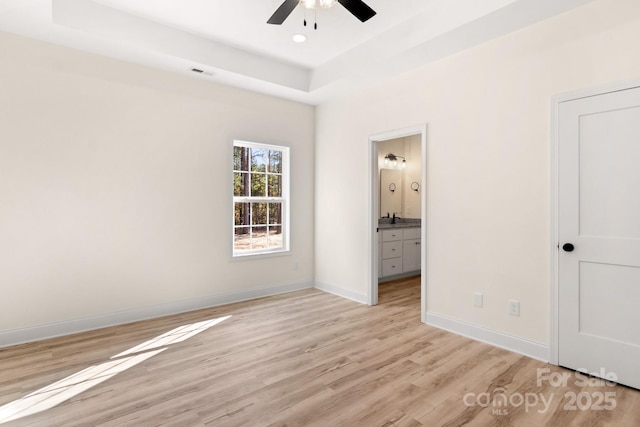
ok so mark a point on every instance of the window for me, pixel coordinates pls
(260, 198)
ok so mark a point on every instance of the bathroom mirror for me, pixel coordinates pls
(390, 192)
(400, 189)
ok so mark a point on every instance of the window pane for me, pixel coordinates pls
(258, 160)
(258, 213)
(275, 161)
(275, 185)
(275, 237)
(275, 213)
(242, 241)
(241, 216)
(240, 184)
(240, 158)
(258, 237)
(258, 185)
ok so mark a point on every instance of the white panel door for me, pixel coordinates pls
(599, 215)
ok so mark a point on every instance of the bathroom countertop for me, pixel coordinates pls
(385, 223)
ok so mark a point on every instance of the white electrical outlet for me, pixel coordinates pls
(477, 299)
(514, 307)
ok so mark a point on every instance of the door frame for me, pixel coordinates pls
(374, 201)
(554, 336)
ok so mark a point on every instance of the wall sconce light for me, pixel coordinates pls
(392, 160)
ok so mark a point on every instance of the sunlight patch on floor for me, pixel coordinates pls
(52, 395)
(56, 393)
(174, 336)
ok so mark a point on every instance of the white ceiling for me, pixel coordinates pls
(231, 41)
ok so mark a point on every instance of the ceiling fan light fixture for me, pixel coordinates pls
(312, 4)
(326, 4)
(357, 8)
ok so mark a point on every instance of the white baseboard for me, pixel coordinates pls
(36, 333)
(344, 293)
(513, 343)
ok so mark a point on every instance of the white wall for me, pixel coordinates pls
(488, 163)
(412, 173)
(115, 187)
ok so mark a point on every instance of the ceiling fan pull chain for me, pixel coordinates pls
(315, 19)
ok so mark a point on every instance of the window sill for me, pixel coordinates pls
(258, 255)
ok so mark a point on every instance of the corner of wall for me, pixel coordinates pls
(344, 293)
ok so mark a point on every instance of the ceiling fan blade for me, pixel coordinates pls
(283, 12)
(359, 9)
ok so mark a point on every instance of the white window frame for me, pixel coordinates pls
(284, 199)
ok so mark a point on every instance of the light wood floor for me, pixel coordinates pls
(302, 359)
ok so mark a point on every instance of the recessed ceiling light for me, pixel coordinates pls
(299, 38)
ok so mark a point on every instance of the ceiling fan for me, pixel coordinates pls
(357, 7)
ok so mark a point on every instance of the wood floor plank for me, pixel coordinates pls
(305, 358)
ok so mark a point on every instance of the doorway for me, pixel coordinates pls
(596, 265)
(375, 155)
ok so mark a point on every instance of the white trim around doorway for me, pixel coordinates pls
(374, 199)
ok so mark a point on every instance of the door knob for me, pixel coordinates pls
(568, 247)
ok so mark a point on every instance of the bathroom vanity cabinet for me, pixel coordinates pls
(399, 251)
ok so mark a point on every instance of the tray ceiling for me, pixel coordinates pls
(232, 43)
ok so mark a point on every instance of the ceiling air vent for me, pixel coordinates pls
(201, 71)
